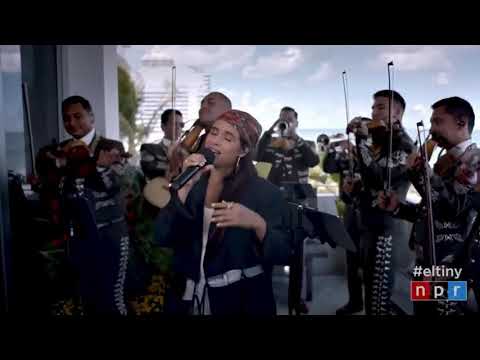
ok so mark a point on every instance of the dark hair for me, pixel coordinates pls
(396, 97)
(288, 108)
(76, 100)
(166, 115)
(224, 97)
(459, 108)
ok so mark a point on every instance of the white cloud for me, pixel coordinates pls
(206, 57)
(418, 112)
(441, 78)
(421, 109)
(322, 73)
(278, 63)
(414, 58)
(265, 110)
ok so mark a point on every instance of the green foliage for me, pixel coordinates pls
(129, 102)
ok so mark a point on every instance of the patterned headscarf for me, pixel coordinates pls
(248, 127)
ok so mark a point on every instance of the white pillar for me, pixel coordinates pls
(91, 71)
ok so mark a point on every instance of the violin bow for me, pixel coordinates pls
(347, 113)
(390, 124)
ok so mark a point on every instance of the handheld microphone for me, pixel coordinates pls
(191, 171)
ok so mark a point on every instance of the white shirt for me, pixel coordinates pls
(166, 142)
(459, 149)
(87, 139)
(199, 287)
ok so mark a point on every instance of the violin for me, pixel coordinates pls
(444, 164)
(189, 143)
(80, 162)
(375, 124)
(448, 163)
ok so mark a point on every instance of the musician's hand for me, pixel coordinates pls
(282, 143)
(289, 144)
(358, 127)
(230, 214)
(347, 186)
(107, 158)
(414, 162)
(388, 202)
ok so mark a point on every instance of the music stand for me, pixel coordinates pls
(308, 222)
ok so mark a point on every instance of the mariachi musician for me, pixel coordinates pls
(154, 157)
(79, 187)
(212, 106)
(444, 219)
(156, 192)
(341, 158)
(381, 141)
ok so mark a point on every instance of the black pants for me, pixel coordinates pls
(354, 280)
(101, 269)
(354, 259)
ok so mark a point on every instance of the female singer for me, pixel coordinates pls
(226, 227)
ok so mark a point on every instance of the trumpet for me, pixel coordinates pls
(283, 127)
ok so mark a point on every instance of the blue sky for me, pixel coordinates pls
(262, 78)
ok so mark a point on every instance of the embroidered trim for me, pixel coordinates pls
(381, 277)
(122, 271)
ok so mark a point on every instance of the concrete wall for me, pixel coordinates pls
(91, 71)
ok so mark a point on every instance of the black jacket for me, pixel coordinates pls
(179, 226)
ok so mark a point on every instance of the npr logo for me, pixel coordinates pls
(438, 290)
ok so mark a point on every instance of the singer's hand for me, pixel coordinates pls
(229, 214)
(193, 160)
(388, 202)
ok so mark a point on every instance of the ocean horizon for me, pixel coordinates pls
(312, 134)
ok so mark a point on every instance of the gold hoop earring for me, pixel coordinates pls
(238, 164)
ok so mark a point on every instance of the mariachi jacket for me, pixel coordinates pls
(287, 166)
(452, 203)
(103, 182)
(154, 161)
(338, 162)
(98, 238)
(373, 171)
